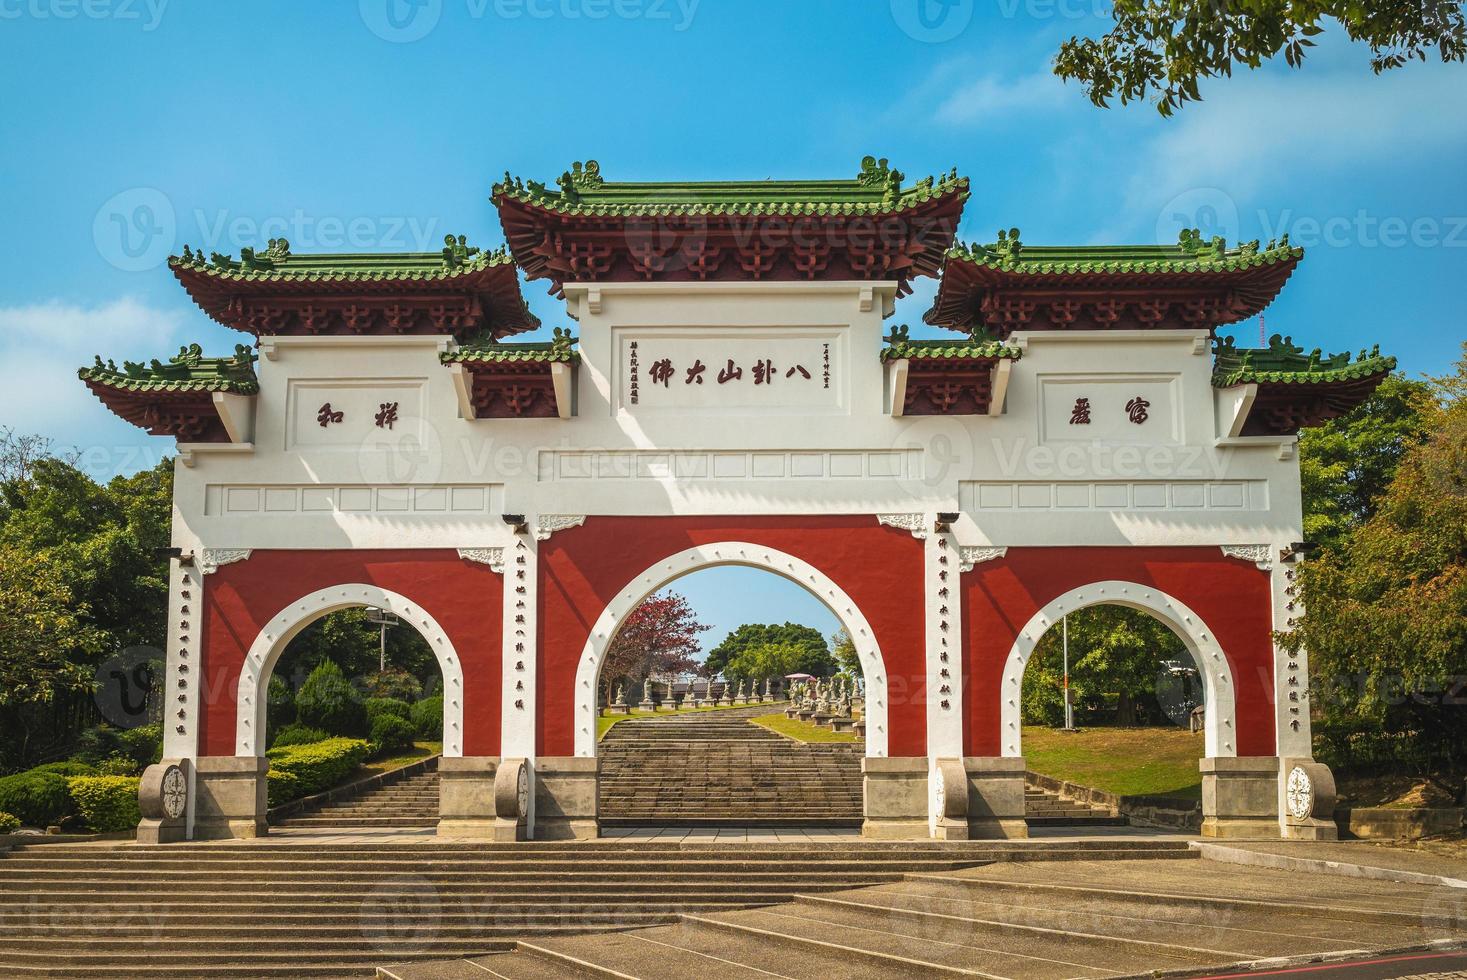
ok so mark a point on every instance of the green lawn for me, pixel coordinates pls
(604, 722)
(802, 730)
(420, 750)
(1127, 761)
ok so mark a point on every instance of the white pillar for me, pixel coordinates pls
(941, 576)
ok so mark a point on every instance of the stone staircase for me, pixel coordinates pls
(1046, 808)
(1048, 920)
(333, 908)
(409, 802)
(717, 768)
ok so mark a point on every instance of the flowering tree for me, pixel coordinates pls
(659, 636)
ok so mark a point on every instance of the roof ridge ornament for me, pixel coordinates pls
(1008, 245)
(276, 252)
(457, 251)
(580, 177)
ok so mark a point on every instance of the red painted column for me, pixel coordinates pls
(1232, 597)
(582, 569)
(465, 598)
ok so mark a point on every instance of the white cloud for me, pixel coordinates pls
(1259, 128)
(979, 99)
(41, 347)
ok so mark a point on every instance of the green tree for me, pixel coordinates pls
(1347, 464)
(96, 545)
(351, 642)
(1113, 650)
(1385, 616)
(815, 658)
(45, 644)
(843, 651)
(1168, 48)
(764, 661)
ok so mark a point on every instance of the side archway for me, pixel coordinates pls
(730, 553)
(1217, 674)
(254, 676)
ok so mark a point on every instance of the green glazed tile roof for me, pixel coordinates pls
(901, 346)
(876, 189)
(1284, 363)
(278, 264)
(189, 371)
(1192, 253)
(559, 350)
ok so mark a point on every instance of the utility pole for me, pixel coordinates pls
(1069, 708)
(383, 619)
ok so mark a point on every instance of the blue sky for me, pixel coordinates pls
(381, 124)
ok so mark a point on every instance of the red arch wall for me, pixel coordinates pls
(1233, 598)
(880, 568)
(464, 597)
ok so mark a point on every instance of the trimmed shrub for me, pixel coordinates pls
(97, 743)
(282, 787)
(143, 744)
(9, 824)
(391, 733)
(327, 700)
(69, 767)
(387, 706)
(396, 684)
(107, 803)
(427, 718)
(298, 735)
(313, 767)
(39, 799)
(118, 765)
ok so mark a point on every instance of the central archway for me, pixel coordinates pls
(265, 651)
(730, 553)
(1217, 675)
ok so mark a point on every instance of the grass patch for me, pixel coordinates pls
(604, 722)
(419, 751)
(1127, 761)
(804, 731)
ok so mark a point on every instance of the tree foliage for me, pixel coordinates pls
(80, 581)
(660, 636)
(1347, 464)
(1386, 610)
(764, 661)
(1114, 650)
(814, 656)
(1168, 48)
(843, 652)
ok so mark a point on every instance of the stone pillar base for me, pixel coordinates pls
(229, 797)
(1240, 796)
(466, 796)
(895, 792)
(995, 798)
(565, 798)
